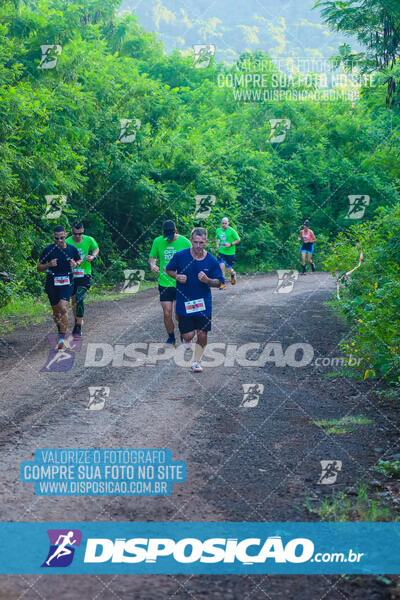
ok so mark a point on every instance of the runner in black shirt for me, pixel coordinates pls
(58, 260)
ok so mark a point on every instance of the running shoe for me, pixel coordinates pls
(222, 286)
(233, 278)
(77, 331)
(171, 341)
(61, 345)
(196, 367)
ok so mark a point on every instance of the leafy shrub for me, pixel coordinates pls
(370, 299)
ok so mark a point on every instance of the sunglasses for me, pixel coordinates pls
(59, 238)
(76, 233)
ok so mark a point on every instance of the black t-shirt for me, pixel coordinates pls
(63, 256)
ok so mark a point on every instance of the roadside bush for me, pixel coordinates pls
(370, 298)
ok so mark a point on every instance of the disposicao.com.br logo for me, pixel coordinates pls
(188, 550)
(191, 550)
(216, 354)
(200, 547)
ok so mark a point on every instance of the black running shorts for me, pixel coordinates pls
(188, 323)
(307, 247)
(229, 260)
(84, 281)
(57, 293)
(167, 294)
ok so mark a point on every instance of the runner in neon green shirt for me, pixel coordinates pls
(164, 247)
(88, 249)
(226, 240)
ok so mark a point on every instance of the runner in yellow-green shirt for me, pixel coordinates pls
(88, 249)
(226, 240)
(164, 247)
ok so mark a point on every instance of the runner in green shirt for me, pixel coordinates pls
(163, 249)
(88, 249)
(226, 240)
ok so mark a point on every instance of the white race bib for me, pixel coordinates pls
(78, 272)
(61, 280)
(193, 306)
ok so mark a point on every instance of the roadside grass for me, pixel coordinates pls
(362, 506)
(23, 312)
(391, 394)
(390, 468)
(349, 372)
(28, 311)
(344, 425)
(98, 294)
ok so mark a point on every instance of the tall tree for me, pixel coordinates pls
(376, 25)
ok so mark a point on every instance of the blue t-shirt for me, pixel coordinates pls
(184, 264)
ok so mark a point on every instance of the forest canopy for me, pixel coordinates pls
(63, 127)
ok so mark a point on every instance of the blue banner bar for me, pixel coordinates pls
(200, 548)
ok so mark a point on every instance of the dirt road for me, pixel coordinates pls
(253, 458)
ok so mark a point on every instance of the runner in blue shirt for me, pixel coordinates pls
(195, 271)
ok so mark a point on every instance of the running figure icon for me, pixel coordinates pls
(62, 549)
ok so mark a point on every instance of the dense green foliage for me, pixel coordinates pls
(371, 297)
(59, 131)
(375, 24)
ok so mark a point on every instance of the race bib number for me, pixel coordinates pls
(61, 280)
(193, 306)
(78, 272)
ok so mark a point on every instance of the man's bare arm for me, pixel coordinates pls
(214, 283)
(171, 273)
(153, 265)
(207, 280)
(43, 267)
(91, 257)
